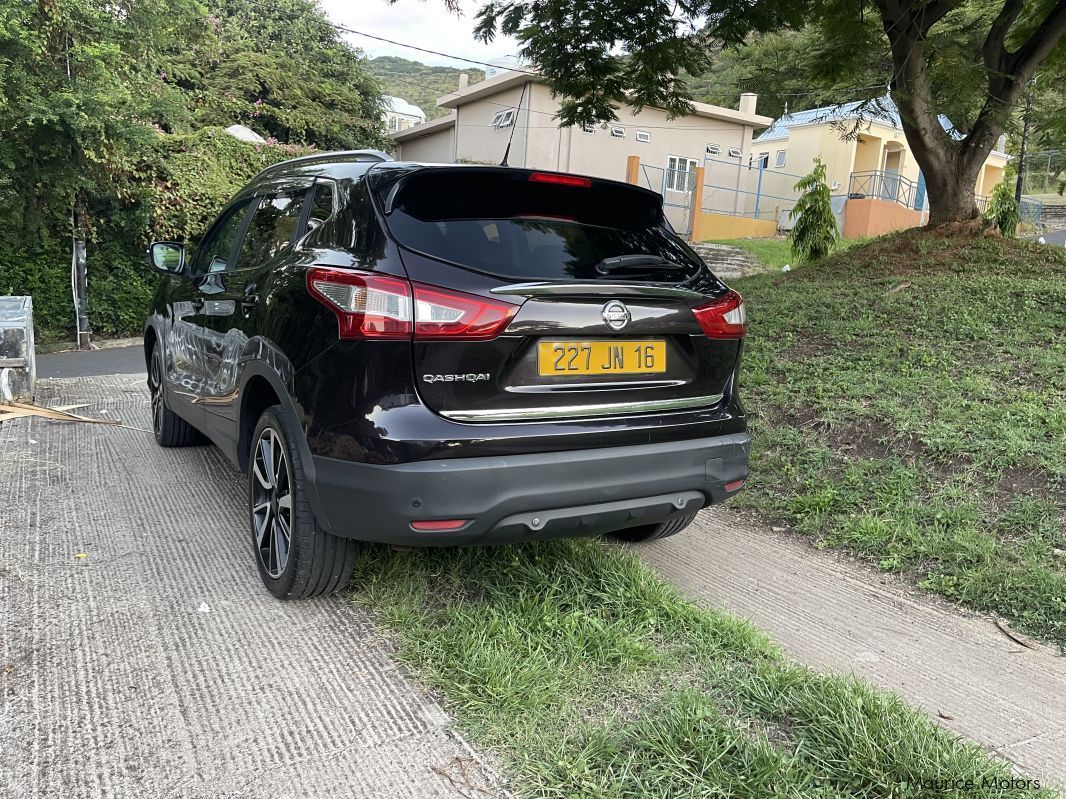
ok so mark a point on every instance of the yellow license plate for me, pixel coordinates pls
(601, 357)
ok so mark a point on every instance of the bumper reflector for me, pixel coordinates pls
(437, 525)
(736, 485)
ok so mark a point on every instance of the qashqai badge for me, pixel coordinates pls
(616, 315)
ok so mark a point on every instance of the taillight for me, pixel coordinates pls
(443, 314)
(724, 317)
(376, 306)
(366, 306)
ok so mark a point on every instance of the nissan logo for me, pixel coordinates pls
(616, 315)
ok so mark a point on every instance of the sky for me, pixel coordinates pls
(425, 23)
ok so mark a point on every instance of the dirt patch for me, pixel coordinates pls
(873, 439)
(1018, 480)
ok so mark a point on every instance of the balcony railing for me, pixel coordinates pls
(889, 186)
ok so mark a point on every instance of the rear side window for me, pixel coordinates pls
(272, 229)
(321, 205)
(503, 223)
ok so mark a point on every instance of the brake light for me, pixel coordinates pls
(724, 317)
(366, 306)
(442, 314)
(561, 179)
(376, 306)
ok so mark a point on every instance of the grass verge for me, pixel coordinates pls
(591, 677)
(908, 403)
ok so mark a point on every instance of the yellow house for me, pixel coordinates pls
(878, 163)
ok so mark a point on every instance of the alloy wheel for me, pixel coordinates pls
(155, 388)
(271, 502)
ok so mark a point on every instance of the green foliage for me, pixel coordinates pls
(815, 230)
(1003, 209)
(281, 69)
(419, 84)
(106, 111)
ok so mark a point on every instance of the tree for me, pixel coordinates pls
(282, 69)
(815, 232)
(601, 53)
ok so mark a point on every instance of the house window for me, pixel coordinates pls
(780, 158)
(713, 149)
(735, 152)
(618, 133)
(503, 119)
(643, 135)
(681, 173)
(762, 161)
(589, 128)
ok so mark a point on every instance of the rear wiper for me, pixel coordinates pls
(621, 262)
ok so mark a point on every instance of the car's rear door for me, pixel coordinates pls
(232, 313)
(607, 303)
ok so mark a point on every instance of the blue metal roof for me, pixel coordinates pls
(879, 109)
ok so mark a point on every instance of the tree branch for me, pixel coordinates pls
(994, 48)
(1044, 38)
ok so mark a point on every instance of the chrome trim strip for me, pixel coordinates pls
(577, 411)
(598, 289)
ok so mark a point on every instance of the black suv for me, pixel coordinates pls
(436, 354)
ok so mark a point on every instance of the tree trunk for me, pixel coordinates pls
(950, 184)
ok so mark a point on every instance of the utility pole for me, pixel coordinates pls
(1025, 141)
(79, 278)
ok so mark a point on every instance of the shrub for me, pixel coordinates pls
(815, 233)
(1003, 209)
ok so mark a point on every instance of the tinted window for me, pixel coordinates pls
(217, 249)
(272, 228)
(321, 205)
(505, 224)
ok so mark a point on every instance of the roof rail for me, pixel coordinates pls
(336, 155)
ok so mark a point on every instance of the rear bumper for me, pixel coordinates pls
(523, 497)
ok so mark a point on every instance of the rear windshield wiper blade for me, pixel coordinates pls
(621, 262)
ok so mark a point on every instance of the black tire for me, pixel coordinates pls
(653, 532)
(170, 429)
(313, 562)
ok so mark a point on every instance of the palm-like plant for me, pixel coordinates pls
(815, 232)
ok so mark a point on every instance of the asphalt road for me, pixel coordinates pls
(1055, 237)
(141, 657)
(112, 361)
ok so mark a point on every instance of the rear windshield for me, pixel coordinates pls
(505, 224)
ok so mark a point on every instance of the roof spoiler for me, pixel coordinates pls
(376, 156)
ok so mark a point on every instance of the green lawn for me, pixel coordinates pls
(908, 403)
(588, 676)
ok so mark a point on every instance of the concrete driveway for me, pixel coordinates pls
(141, 657)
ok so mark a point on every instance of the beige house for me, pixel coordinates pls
(878, 162)
(517, 108)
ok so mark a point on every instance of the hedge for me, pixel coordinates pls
(173, 190)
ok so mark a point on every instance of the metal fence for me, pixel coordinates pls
(754, 190)
(676, 187)
(889, 186)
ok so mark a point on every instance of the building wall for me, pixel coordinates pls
(871, 217)
(476, 139)
(433, 148)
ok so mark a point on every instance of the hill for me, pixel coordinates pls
(418, 83)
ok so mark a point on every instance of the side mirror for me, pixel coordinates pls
(167, 256)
